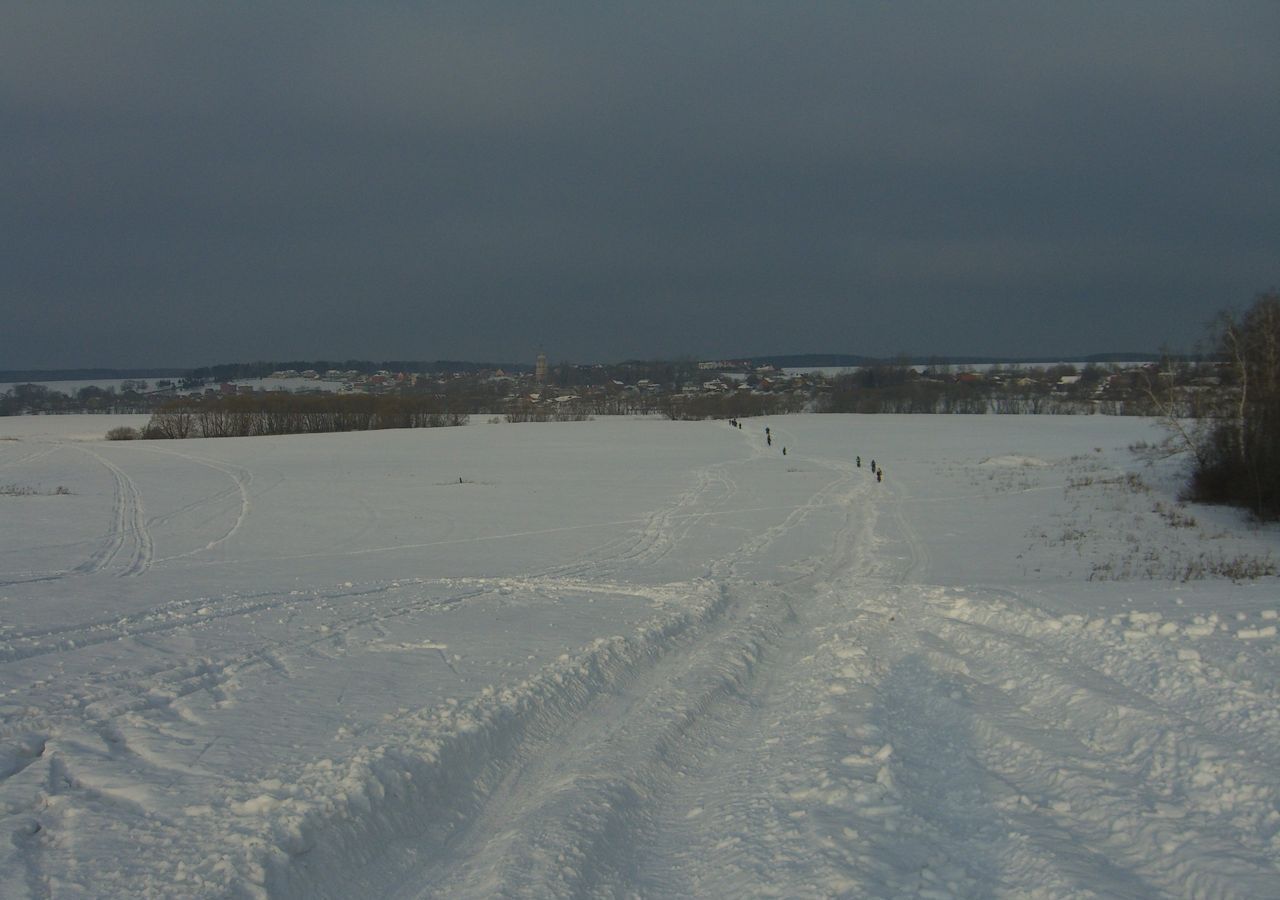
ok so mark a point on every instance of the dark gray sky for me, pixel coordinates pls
(184, 183)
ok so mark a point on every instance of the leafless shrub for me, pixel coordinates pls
(1132, 482)
(1152, 566)
(1176, 516)
(1237, 568)
(1149, 452)
(24, 490)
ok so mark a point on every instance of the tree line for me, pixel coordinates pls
(247, 415)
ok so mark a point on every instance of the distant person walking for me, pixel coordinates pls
(784, 451)
(879, 475)
(859, 460)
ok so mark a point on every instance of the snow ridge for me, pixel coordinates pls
(438, 766)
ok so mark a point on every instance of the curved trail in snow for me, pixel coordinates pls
(240, 481)
(128, 526)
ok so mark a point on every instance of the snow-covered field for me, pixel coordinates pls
(631, 658)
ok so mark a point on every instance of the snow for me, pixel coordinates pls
(631, 657)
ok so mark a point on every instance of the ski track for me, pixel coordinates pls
(965, 745)
(128, 526)
(661, 531)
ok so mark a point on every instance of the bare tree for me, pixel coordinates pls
(1239, 459)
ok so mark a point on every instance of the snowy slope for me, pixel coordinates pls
(631, 658)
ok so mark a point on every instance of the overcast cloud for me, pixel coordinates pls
(184, 184)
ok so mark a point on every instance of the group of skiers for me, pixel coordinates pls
(875, 470)
(768, 439)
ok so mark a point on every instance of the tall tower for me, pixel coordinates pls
(540, 369)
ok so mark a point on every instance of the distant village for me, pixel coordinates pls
(677, 389)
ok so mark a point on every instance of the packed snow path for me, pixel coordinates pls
(631, 658)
